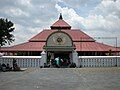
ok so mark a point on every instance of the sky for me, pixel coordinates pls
(97, 18)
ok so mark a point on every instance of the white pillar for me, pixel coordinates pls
(75, 58)
(43, 58)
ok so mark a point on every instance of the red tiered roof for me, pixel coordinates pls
(80, 46)
(76, 35)
(82, 41)
(93, 46)
(61, 24)
(28, 46)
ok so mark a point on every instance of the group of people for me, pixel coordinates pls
(6, 67)
(61, 63)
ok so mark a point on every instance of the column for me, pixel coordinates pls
(43, 58)
(75, 58)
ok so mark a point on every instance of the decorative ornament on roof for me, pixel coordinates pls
(60, 24)
(60, 16)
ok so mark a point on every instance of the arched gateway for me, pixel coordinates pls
(59, 44)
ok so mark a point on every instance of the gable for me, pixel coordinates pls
(59, 38)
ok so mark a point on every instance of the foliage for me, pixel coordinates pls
(6, 27)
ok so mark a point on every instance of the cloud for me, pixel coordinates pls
(95, 17)
(70, 16)
(16, 12)
(75, 3)
(29, 16)
(102, 21)
(105, 17)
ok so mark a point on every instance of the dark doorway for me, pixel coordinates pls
(62, 55)
(64, 58)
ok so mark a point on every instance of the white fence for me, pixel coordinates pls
(83, 61)
(99, 61)
(22, 61)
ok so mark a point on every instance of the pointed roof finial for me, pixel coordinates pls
(60, 16)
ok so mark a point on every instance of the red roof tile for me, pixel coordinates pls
(93, 46)
(76, 34)
(42, 36)
(28, 46)
(80, 46)
(61, 23)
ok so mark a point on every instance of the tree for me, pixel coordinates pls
(6, 27)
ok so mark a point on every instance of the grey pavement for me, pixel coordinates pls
(61, 79)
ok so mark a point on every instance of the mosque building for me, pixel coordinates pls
(61, 41)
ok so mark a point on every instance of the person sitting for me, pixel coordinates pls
(45, 65)
(72, 65)
(8, 67)
(53, 63)
(15, 66)
(3, 67)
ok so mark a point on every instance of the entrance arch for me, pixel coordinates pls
(59, 44)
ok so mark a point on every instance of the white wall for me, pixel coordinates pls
(83, 61)
(99, 61)
(22, 61)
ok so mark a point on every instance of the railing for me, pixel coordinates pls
(22, 61)
(83, 61)
(99, 61)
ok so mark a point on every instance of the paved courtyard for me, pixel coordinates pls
(61, 79)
